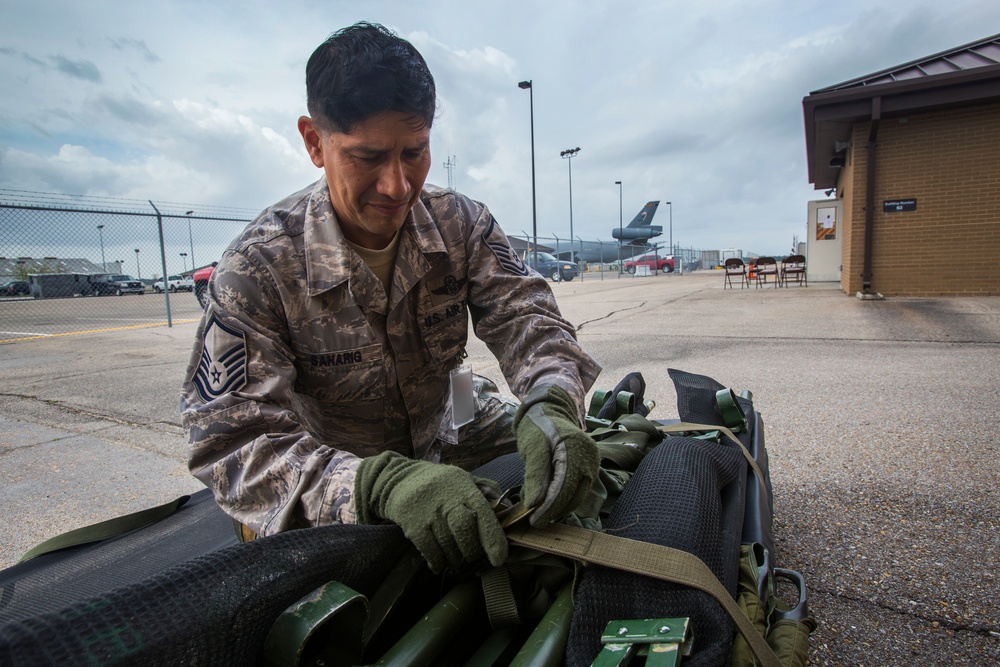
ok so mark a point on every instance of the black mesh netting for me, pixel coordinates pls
(507, 470)
(696, 403)
(687, 494)
(214, 609)
(696, 400)
(632, 383)
(55, 580)
(696, 397)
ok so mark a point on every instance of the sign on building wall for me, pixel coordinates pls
(897, 205)
(826, 223)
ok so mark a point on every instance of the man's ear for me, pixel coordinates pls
(312, 139)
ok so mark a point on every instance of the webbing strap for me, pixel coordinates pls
(501, 606)
(105, 529)
(681, 427)
(651, 560)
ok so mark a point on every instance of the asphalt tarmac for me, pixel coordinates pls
(880, 421)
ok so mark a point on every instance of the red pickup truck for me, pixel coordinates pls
(653, 261)
(201, 277)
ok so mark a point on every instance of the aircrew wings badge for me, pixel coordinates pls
(497, 242)
(223, 364)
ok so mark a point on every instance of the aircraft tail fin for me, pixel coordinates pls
(639, 231)
(645, 216)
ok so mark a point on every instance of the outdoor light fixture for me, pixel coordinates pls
(104, 264)
(620, 232)
(568, 155)
(190, 240)
(526, 85)
(671, 205)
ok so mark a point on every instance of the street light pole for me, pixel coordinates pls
(568, 155)
(620, 230)
(671, 205)
(534, 211)
(138, 271)
(100, 232)
(184, 257)
(190, 239)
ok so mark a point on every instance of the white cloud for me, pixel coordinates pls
(698, 104)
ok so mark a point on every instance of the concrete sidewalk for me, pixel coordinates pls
(879, 418)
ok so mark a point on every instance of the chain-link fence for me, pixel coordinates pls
(81, 263)
(70, 263)
(596, 259)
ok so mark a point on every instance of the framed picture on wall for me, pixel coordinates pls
(826, 223)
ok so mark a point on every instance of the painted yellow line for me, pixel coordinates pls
(93, 331)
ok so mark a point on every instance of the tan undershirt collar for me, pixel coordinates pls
(381, 262)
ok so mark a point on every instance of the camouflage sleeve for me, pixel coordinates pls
(514, 312)
(246, 442)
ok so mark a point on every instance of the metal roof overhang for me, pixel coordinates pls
(831, 115)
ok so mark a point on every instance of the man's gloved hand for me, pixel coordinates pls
(560, 459)
(439, 507)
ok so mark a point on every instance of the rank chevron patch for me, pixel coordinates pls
(223, 364)
(496, 241)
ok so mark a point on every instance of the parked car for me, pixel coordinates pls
(103, 284)
(200, 278)
(552, 267)
(15, 288)
(653, 261)
(175, 284)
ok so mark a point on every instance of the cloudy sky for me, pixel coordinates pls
(699, 104)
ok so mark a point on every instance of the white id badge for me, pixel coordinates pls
(463, 405)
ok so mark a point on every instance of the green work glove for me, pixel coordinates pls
(440, 508)
(560, 459)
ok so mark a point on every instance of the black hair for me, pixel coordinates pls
(365, 69)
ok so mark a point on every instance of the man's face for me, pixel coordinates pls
(375, 173)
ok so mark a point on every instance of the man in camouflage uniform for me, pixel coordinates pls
(318, 388)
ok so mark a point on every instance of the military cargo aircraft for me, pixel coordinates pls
(634, 240)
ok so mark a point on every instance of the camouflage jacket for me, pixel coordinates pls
(302, 362)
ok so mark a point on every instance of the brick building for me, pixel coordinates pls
(911, 157)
